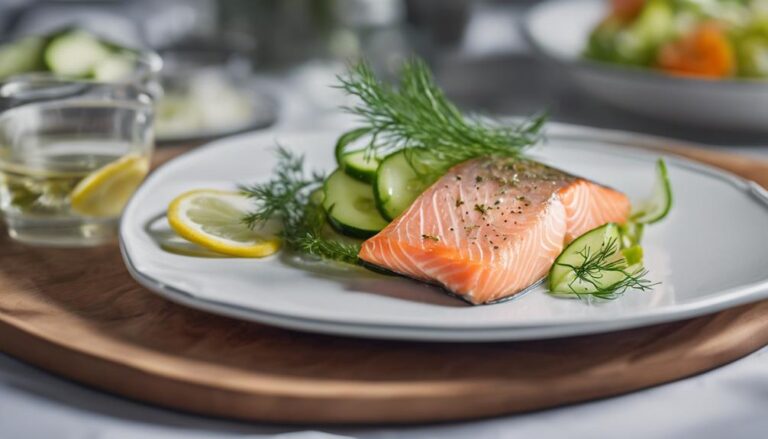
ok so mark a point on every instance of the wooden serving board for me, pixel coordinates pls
(79, 314)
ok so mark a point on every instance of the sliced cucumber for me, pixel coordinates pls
(316, 197)
(350, 206)
(356, 163)
(347, 139)
(75, 53)
(327, 231)
(562, 277)
(116, 67)
(397, 185)
(21, 56)
(657, 206)
(633, 255)
(631, 233)
(360, 165)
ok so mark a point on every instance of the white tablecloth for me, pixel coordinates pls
(729, 402)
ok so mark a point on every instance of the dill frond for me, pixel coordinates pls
(286, 198)
(416, 116)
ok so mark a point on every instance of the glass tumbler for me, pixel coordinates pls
(71, 155)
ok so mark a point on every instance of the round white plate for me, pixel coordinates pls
(709, 254)
(559, 29)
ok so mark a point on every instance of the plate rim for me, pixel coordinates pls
(626, 140)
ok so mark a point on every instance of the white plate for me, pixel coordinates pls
(559, 29)
(709, 254)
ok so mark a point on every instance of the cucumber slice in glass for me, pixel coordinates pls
(658, 204)
(397, 185)
(350, 206)
(562, 277)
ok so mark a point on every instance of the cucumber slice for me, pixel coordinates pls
(397, 185)
(350, 206)
(657, 206)
(633, 255)
(75, 53)
(631, 234)
(347, 139)
(316, 197)
(114, 68)
(562, 279)
(21, 56)
(357, 165)
(315, 201)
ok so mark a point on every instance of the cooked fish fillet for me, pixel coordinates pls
(491, 227)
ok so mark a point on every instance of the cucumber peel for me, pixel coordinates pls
(347, 139)
(657, 206)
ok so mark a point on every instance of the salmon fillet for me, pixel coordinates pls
(491, 227)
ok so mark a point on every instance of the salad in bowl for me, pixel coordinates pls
(701, 38)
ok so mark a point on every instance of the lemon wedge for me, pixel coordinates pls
(213, 219)
(104, 192)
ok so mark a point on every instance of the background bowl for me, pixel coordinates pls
(558, 30)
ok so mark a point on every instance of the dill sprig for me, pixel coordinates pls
(596, 265)
(287, 198)
(286, 193)
(416, 116)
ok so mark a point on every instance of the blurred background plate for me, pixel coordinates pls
(559, 30)
(209, 91)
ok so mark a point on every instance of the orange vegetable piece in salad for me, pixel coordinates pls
(626, 10)
(705, 52)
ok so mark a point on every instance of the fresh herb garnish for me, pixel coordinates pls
(481, 208)
(417, 117)
(596, 265)
(287, 198)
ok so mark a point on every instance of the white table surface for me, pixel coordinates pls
(731, 401)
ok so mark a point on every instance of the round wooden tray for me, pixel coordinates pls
(78, 313)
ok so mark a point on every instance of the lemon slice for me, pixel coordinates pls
(104, 192)
(213, 219)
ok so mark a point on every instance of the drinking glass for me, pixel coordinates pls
(71, 155)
